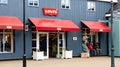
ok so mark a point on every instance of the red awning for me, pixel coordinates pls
(9, 22)
(97, 26)
(54, 24)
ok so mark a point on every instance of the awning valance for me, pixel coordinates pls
(10, 22)
(97, 26)
(54, 24)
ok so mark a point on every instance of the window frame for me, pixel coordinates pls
(12, 42)
(66, 4)
(33, 3)
(90, 5)
(34, 38)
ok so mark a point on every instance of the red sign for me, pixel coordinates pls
(50, 11)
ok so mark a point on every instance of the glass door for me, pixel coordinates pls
(61, 45)
(43, 43)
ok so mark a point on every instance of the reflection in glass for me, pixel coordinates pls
(43, 43)
(6, 41)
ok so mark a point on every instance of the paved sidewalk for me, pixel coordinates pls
(74, 62)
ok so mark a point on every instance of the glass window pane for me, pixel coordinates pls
(4, 1)
(30, 2)
(1, 42)
(34, 35)
(8, 42)
(60, 36)
(91, 6)
(43, 43)
(1, 31)
(8, 30)
(65, 4)
(33, 2)
(36, 2)
(62, 2)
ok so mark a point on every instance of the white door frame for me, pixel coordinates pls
(63, 43)
(38, 38)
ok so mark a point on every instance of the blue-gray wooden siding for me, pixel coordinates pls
(116, 38)
(77, 13)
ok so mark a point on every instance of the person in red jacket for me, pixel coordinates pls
(90, 47)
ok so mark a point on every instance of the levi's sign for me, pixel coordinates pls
(50, 11)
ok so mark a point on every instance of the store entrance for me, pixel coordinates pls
(51, 43)
(56, 44)
(43, 44)
(92, 37)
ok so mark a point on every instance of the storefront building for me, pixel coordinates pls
(53, 26)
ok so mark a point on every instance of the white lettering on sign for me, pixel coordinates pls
(101, 30)
(58, 28)
(50, 11)
(9, 27)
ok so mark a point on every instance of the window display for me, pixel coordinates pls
(92, 37)
(6, 41)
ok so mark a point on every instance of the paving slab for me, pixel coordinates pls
(54, 62)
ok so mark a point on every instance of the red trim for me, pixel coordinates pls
(97, 26)
(54, 24)
(9, 22)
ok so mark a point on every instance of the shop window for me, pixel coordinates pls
(3, 1)
(34, 3)
(6, 41)
(85, 34)
(91, 6)
(92, 37)
(65, 4)
(33, 38)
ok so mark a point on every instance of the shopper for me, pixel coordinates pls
(85, 39)
(84, 47)
(90, 47)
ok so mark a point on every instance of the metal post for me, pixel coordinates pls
(24, 52)
(112, 44)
